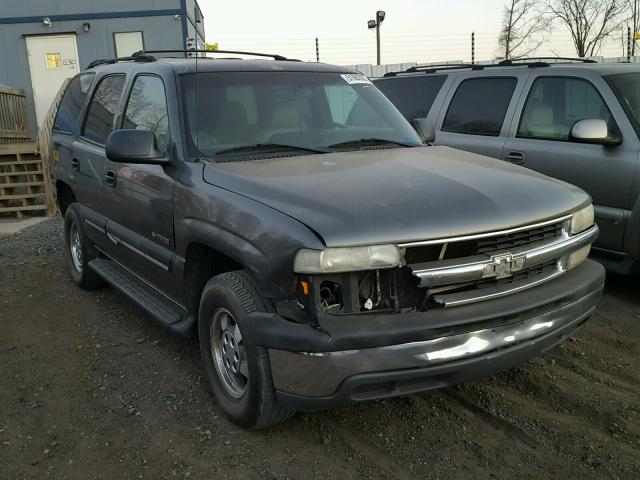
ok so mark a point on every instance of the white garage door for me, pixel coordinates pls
(52, 59)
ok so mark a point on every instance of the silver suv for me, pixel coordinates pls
(575, 120)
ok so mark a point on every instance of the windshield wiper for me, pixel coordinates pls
(268, 146)
(370, 141)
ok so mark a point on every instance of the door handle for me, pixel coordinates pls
(516, 158)
(110, 178)
(75, 164)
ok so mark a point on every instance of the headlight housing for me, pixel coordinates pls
(582, 219)
(347, 259)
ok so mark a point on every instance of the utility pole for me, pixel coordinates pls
(371, 24)
(473, 48)
(317, 50)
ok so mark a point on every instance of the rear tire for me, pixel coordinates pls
(239, 372)
(80, 251)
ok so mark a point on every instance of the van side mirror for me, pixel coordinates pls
(595, 131)
(134, 146)
(425, 128)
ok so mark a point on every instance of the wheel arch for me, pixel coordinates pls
(201, 263)
(65, 196)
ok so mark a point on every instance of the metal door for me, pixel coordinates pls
(52, 59)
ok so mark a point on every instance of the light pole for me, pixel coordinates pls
(376, 24)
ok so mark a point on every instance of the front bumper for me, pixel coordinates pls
(363, 357)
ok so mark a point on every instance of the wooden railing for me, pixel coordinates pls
(13, 116)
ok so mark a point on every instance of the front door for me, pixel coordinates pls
(475, 118)
(52, 59)
(541, 135)
(139, 198)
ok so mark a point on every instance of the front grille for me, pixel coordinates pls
(528, 274)
(482, 246)
(513, 240)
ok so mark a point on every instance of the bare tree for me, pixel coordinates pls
(522, 24)
(590, 22)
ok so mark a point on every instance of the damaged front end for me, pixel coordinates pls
(424, 275)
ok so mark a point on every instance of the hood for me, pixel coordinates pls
(398, 195)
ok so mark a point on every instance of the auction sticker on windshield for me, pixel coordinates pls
(352, 78)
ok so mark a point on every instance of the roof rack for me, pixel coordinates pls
(132, 58)
(512, 61)
(145, 56)
(436, 67)
(234, 52)
(534, 62)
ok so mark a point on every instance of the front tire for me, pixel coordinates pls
(239, 372)
(80, 251)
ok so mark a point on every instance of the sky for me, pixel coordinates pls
(413, 30)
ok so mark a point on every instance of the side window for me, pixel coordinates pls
(147, 108)
(555, 104)
(479, 106)
(69, 110)
(413, 96)
(102, 109)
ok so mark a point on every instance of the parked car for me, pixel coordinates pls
(577, 121)
(289, 214)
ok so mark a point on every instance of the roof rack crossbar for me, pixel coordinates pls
(234, 52)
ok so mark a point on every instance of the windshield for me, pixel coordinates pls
(307, 111)
(627, 88)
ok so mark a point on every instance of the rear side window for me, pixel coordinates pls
(102, 110)
(147, 108)
(479, 106)
(413, 96)
(555, 104)
(68, 113)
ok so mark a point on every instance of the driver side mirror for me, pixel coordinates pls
(425, 128)
(134, 146)
(594, 131)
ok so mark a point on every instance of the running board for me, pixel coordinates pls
(161, 308)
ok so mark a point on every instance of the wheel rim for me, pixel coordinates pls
(228, 351)
(75, 246)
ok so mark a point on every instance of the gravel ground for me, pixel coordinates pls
(90, 388)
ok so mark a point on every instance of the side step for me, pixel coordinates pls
(163, 310)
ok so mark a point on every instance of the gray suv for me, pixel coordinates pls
(574, 120)
(288, 214)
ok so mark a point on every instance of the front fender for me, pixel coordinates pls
(259, 238)
(632, 232)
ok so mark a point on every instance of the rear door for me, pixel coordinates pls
(478, 112)
(89, 157)
(541, 135)
(66, 127)
(139, 198)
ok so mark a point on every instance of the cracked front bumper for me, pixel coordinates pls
(322, 378)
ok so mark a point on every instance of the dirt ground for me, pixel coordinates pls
(90, 388)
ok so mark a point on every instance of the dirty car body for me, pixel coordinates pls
(382, 266)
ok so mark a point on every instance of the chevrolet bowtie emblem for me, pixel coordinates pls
(504, 265)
